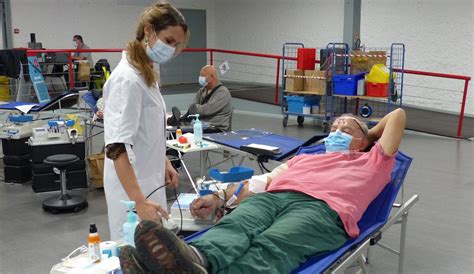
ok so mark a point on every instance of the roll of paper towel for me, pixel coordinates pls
(108, 248)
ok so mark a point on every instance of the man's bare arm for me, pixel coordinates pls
(389, 131)
(245, 192)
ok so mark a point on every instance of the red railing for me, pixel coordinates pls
(211, 51)
(407, 71)
(254, 54)
(466, 80)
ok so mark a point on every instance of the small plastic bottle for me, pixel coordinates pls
(179, 133)
(197, 132)
(93, 243)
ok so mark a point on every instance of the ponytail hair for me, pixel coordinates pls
(159, 17)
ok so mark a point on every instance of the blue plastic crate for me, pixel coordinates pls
(296, 103)
(346, 84)
(235, 174)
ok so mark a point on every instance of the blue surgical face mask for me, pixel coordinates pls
(202, 81)
(338, 142)
(161, 52)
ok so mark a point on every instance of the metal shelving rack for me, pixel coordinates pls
(351, 103)
(289, 54)
(338, 62)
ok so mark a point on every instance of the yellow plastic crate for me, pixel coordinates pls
(379, 73)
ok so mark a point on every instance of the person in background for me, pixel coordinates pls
(78, 43)
(212, 102)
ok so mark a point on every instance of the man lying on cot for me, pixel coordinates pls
(309, 205)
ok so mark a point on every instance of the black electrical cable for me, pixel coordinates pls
(263, 167)
(180, 212)
(175, 198)
(160, 187)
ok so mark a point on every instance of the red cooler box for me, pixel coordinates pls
(306, 58)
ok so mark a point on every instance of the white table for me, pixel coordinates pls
(203, 150)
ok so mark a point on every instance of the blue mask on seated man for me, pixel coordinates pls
(202, 81)
(338, 142)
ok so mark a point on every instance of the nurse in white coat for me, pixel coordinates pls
(134, 119)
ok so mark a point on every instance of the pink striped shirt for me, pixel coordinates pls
(348, 183)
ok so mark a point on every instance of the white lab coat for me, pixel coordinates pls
(135, 115)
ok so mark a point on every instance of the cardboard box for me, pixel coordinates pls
(315, 85)
(96, 168)
(84, 71)
(294, 83)
(362, 61)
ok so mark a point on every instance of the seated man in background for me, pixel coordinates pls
(309, 205)
(212, 103)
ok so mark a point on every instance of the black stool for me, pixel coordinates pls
(63, 202)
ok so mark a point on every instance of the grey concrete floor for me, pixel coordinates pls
(440, 226)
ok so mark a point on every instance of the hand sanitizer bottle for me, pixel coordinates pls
(130, 225)
(197, 128)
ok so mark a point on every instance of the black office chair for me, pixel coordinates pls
(64, 202)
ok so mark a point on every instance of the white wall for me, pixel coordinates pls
(103, 24)
(438, 36)
(264, 25)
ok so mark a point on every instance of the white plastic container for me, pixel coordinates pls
(306, 109)
(361, 87)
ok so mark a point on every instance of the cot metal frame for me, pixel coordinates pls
(360, 256)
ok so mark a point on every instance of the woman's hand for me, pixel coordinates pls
(148, 210)
(100, 114)
(171, 176)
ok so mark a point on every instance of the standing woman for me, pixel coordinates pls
(135, 125)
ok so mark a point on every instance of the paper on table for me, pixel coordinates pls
(25, 108)
(260, 146)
